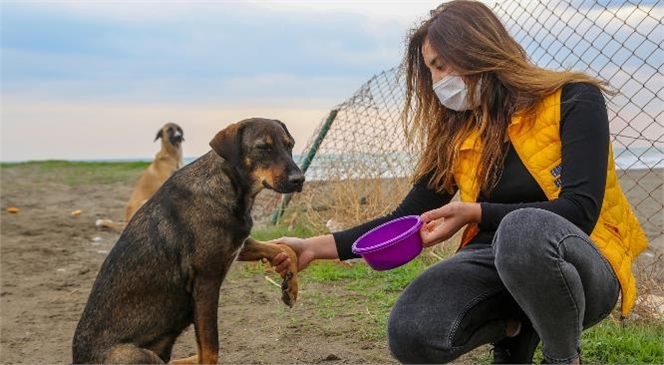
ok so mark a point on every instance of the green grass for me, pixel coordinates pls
(75, 174)
(375, 291)
(60, 164)
(611, 342)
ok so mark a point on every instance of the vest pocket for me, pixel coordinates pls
(614, 230)
(617, 236)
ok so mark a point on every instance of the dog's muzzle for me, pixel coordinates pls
(176, 138)
(294, 183)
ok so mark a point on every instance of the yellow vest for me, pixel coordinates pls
(617, 233)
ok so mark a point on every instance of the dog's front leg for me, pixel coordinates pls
(206, 302)
(255, 250)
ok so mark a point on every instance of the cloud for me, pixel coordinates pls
(158, 49)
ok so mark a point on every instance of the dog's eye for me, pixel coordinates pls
(264, 147)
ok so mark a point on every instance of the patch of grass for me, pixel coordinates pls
(611, 342)
(77, 173)
(59, 164)
(374, 291)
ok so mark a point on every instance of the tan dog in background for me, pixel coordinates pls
(166, 162)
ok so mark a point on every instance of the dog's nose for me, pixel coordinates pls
(297, 179)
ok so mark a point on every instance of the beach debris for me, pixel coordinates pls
(97, 239)
(271, 281)
(653, 303)
(12, 210)
(76, 212)
(649, 254)
(333, 225)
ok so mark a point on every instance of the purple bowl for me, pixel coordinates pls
(391, 244)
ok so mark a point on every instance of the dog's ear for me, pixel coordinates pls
(227, 143)
(285, 129)
(160, 134)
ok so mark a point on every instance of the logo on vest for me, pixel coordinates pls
(555, 172)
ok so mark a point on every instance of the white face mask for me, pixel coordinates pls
(453, 93)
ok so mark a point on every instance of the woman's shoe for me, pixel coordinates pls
(518, 349)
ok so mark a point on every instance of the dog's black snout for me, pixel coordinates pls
(296, 179)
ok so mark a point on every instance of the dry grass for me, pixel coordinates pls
(649, 272)
(339, 204)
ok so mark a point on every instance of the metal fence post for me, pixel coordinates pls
(285, 199)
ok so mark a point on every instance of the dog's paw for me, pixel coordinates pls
(289, 289)
(188, 360)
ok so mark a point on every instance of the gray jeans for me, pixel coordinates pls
(540, 267)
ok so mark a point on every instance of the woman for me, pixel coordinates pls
(549, 237)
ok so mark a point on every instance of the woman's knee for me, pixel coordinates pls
(521, 240)
(522, 226)
(411, 342)
(404, 337)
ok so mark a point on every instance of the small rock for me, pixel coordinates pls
(331, 357)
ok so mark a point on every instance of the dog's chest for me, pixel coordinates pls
(243, 222)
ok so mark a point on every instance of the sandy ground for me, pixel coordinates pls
(49, 260)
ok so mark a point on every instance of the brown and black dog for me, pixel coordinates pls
(165, 163)
(165, 271)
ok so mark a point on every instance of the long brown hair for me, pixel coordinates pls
(470, 39)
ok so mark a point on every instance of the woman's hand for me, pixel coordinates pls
(442, 223)
(304, 254)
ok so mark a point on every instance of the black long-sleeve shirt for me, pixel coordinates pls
(584, 133)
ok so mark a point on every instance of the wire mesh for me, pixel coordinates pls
(361, 168)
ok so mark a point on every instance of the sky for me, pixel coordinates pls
(95, 80)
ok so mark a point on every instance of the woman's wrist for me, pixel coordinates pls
(476, 212)
(322, 247)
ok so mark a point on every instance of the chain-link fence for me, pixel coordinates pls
(358, 162)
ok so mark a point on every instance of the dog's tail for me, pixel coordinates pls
(110, 225)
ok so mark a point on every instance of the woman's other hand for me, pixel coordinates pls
(442, 223)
